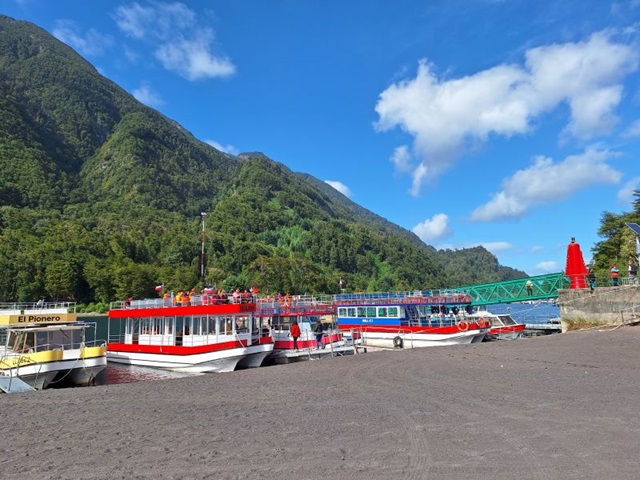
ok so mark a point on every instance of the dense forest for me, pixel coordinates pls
(101, 198)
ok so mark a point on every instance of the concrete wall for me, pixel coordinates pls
(606, 305)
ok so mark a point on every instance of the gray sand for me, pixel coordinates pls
(557, 407)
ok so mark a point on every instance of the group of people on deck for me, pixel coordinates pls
(209, 296)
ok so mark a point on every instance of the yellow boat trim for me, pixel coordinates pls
(93, 352)
(30, 359)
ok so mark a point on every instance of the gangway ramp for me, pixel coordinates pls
(14, 385)
(542, 287)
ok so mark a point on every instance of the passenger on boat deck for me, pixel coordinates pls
(236, 296)
(186, 299)
(295, 333)
(318, 330)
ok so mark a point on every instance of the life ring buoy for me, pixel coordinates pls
(397, 342)
(482, 323)
(463, 326)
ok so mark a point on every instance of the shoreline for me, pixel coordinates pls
(558, 406)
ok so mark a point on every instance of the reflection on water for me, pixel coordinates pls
(117, 373)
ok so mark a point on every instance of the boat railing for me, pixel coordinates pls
(194, 300)
(427, 297)
(39, 307)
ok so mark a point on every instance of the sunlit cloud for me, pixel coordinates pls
(145, 94)
(548, 267)
(546, 181)
(633, 131)
(536, 248)
(181, 43)
(339, 186)
(447, 117)
(434, 228)
(230, 149)
(89, 43)
(625, 194)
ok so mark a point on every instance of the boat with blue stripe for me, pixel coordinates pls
(409, 319)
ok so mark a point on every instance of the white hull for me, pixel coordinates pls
(255, 355)
(417, 340)
(218, 361)
(76, 371)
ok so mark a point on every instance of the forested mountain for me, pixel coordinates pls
(101, 196)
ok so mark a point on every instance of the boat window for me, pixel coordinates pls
(371, 312)
(382, 312)
(342, 312)
(352, 311)
(361, 312)
(242, 324)
(507, 320)
(393, 312)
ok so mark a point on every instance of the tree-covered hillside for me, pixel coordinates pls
(101, 198)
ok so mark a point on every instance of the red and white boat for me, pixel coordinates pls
(203, 335)
(306, 311)
(408, 319)
(503, 326)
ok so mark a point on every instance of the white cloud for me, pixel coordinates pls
(91, 43)
(401, 159)
(230, 149)
(625, 194)
(496, 247)
(633, 130)
(548, 267)
(192, 59)
(181, 44)
(434, 228)
(537, 248)
(448, 117)
(545, 182)
(146, 95)
(339, 186)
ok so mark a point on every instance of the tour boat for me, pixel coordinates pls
(408, 319)
(503, 326)
(205, 334)
(306, 311)
(44, 343)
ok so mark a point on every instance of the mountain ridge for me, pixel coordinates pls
(79, 154)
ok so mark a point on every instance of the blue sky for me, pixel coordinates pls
(510, 124)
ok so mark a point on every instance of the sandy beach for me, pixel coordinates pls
(558, 407)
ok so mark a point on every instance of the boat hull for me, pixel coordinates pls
(42, 369)
(255, 355)
(215, 361)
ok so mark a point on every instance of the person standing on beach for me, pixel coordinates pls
(614, 275)
(295, 333)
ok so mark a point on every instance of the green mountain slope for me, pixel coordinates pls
(100, 198)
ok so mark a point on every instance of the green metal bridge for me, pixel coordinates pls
(542, 287)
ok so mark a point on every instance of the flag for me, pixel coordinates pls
(159, 288)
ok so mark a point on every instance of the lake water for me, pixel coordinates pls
(539, 312)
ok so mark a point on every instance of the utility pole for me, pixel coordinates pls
(203, 215)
